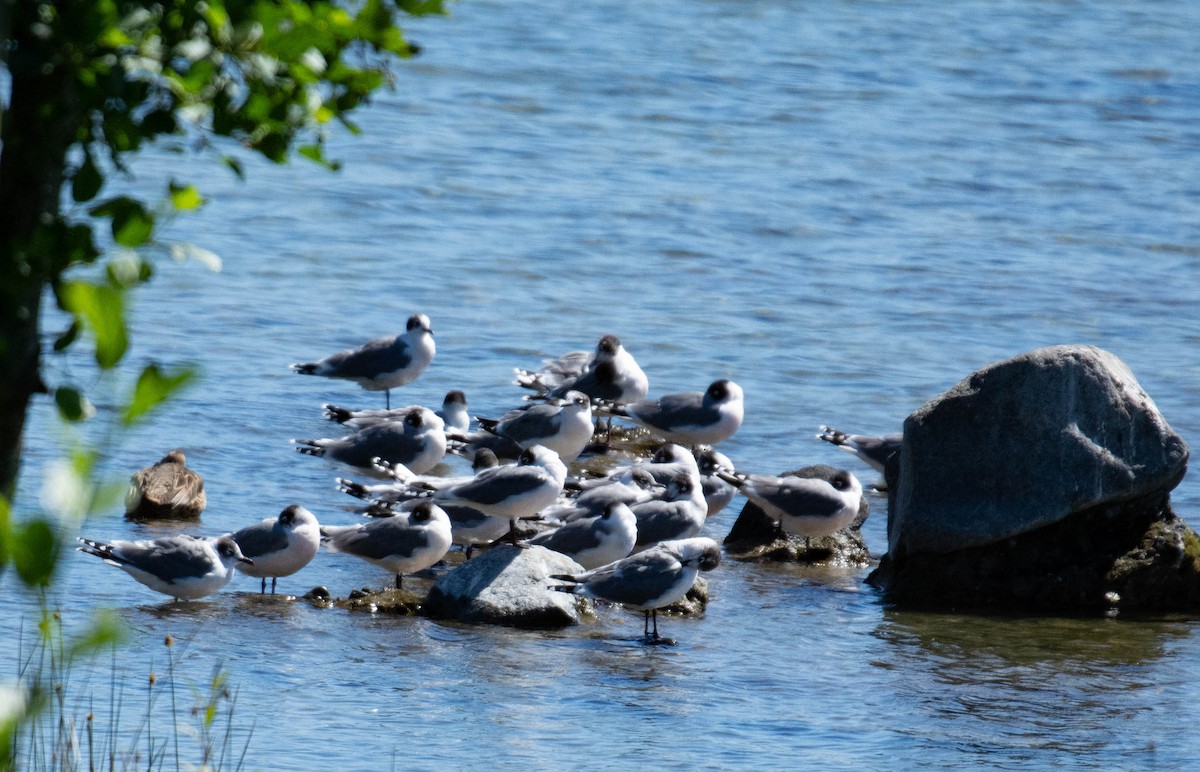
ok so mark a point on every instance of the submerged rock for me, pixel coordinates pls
(402, 602)
(508, 586)
(754, 535)
(1041, 482)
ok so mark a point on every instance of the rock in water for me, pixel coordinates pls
(1027, 483)
(507, 586)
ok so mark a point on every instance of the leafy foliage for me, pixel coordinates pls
(92, 83)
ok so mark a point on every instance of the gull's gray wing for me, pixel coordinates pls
(380, 539)
(491, 486)
(797, 495)
(574, 537)
(381, 355)
(673, 410)
(638, 579)
(388, 441)
(531, 424)
(171, 559)
(262, 538)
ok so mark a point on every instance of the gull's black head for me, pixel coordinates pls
(418, 322)
(228, 548)
(710, 558)
(718, 391)
(609, 344)
(288, 516)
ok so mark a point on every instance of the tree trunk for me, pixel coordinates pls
(36, 132)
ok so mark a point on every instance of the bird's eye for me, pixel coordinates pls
(414, 418)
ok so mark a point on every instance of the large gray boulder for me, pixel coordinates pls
(1023, 444)
(508, 586)
(1042, 481)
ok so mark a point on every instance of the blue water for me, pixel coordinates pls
(845, 207)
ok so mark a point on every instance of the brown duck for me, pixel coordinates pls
(166, 490)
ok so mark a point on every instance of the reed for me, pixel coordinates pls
(58, 726)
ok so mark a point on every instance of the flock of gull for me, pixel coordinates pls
(634, 530)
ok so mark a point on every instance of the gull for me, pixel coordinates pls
(418, 442)
(404, 480)
(668, 461)
(184, 567)
(166, 490)
(634, 488)
(648, 580)
(803, 506)
(690, 418)
(279, 546)
(679, 514)
(874, 450)
(381, 364)
(404, 543)
(717, 492)
(610, 373)
(594, 541)
(469, 527)
(565, 428)
(453, 413)
(516, 492)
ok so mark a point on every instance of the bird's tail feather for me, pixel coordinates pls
(309, 447)
(339, 414)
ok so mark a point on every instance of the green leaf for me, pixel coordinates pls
(101, 308)
(63, 341)
(35, 549)
(132, 224)
(185, 197)
(106, 630)
(87, 180)
(235, 165)
(72, 405)
(316, 153)
(153, 387)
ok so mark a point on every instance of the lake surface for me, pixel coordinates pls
(845, 207)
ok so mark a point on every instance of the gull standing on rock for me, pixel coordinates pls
(717, 492)
(610, 373)
(516, 492)
(690, 418)
(565, 428)
(803, 506)
(166, 490)
(418, 442)
(381, 364)
(648, 580)
(593, 541)
(184, 567)
(279, 546)
(403, 544)
(678, 514)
